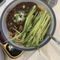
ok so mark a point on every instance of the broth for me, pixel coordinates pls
(24, 6)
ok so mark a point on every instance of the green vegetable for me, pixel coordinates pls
(28, 21)
(44, 26)
(16, 18)
(36, 27)
(19, 16)
(33, 33)
(40, 31)
(36, 42)
(37, 17)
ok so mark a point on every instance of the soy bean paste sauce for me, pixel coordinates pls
(23, 7)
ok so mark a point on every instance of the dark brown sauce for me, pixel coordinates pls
(19, 7)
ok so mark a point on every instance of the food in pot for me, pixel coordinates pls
(28, 24)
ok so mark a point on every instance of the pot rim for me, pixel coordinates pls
(44, 43)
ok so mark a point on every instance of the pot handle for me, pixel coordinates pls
(51, 3)
(11, 51)
(58, 42)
